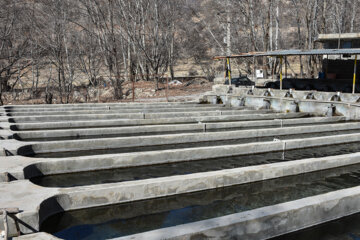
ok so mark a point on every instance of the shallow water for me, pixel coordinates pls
(347, 228)
(181, 168)
(184, 145)
(130, 218)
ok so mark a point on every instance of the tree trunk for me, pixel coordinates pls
(228, 28)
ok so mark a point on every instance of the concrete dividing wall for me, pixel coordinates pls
(23, 135)
(267, 222)
(160, 121)
(40, 203)
(134, 190)
(102, 105)
(111, 111)
(285, 101)
(37, 236)
(296, 94)
(37, 203)
(142, 141)
(34, 167)
(84, 117)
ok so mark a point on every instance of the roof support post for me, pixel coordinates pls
(225, 70)
(281, 76)
(228, 67)
(254, 68)
(286, 67)
(327, 67)
(355, 68)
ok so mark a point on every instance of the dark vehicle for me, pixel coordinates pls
(240, 81)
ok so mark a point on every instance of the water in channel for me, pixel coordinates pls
(136, 217)
(183, 145)
(181, 168)
(347, 228)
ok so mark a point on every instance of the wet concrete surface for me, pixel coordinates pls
(159, 133)
(125, 219)
(182, 145)
(347, 228)
(181, 168)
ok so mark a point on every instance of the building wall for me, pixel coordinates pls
(344, 69)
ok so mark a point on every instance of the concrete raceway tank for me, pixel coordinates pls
(241, 163)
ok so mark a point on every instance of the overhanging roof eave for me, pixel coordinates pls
(279, 53)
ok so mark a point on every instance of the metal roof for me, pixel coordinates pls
(336, 36)
(296, 52)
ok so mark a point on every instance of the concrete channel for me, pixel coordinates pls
(78, 133)
(164, 165)
(140, 122)
(107, 145)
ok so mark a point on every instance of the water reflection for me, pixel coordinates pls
(181, 168)
(125, 219)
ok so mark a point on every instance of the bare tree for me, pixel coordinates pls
(88, 40)
(14, 43)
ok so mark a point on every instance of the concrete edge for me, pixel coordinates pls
(178, 128)
(266, 222)
(182, 138)
(64, 199)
